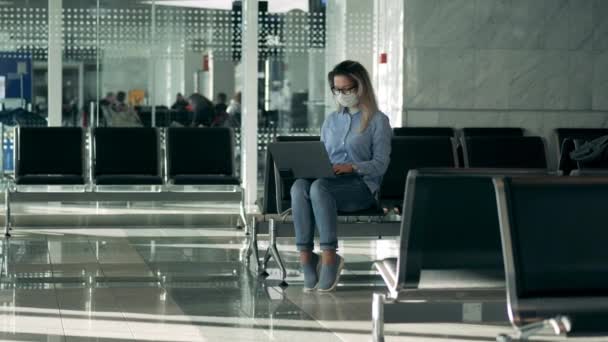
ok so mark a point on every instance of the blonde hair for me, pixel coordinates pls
(365, 91)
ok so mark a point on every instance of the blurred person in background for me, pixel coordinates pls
(203, 111)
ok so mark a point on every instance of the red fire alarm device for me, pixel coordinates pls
(206, 63)
(383, 58)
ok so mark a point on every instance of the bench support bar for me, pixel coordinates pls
(559, 324)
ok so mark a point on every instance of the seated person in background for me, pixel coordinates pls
(122, 115)
(221, 118)
(109, 100)
(203, 111)
(234, 109)
(180, 103)
(220, 105)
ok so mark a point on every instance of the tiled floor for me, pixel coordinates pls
(186, 285)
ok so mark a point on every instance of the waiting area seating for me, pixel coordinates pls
(270, 210)
(408, 152)
(554, 244)
(468, 132)
(502, 223)
(423, 132)
(504, 152)
(48, 156)
(122, 161)
(420, 149)
(449, 239)
(126, 156)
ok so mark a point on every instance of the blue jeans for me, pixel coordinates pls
(318, 203)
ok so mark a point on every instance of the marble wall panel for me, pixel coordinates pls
(600, 81)
(580, 80)
(435, 23)
(527, 85)
(600, 25)
(422, 81)
(556, 65)
(580, 24)
(492, 79)
(556, 26)
(456, 83)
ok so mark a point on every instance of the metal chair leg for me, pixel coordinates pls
(252, 248)
(262, 271)
(274, 251)
(243, 217)
(559, 324)
(378, 317)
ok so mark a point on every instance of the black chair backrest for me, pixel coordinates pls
(269, 204)
(492, 132)
(505, 152)
(558, 234)
(450, 222)
(423, 132)
(579, 133)
(126, 151)
(554, 239)
(415, 152)
(200, 151)
(50, 151)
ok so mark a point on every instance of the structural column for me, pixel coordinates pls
(249, 117)
(55, 63)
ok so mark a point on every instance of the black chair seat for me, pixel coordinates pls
(128, 180)
(205, 180)
(50, 180)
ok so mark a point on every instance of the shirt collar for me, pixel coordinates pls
(345, 111)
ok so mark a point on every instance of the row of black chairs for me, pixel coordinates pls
(457, 205)
(566, 140)
(418, 150)
(413, 148)
(124, 156)
(474, 233)
(166, 160)
(410, 152)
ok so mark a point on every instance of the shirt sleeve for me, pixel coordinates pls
(325, 127)
(381, 149)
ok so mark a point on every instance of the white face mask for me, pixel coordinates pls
(350, 100)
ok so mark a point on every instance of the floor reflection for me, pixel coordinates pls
(190, 285)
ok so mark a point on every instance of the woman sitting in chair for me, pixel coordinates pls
(357, 138)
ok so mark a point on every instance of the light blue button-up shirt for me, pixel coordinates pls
(369, 150)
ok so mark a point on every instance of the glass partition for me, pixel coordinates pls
(178, 63)
(79, 70)
(23, 56)
(125, 62)
(299, 43)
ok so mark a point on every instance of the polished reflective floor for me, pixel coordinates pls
(190, 285)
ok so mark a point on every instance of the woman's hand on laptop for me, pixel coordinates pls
(341, 169)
